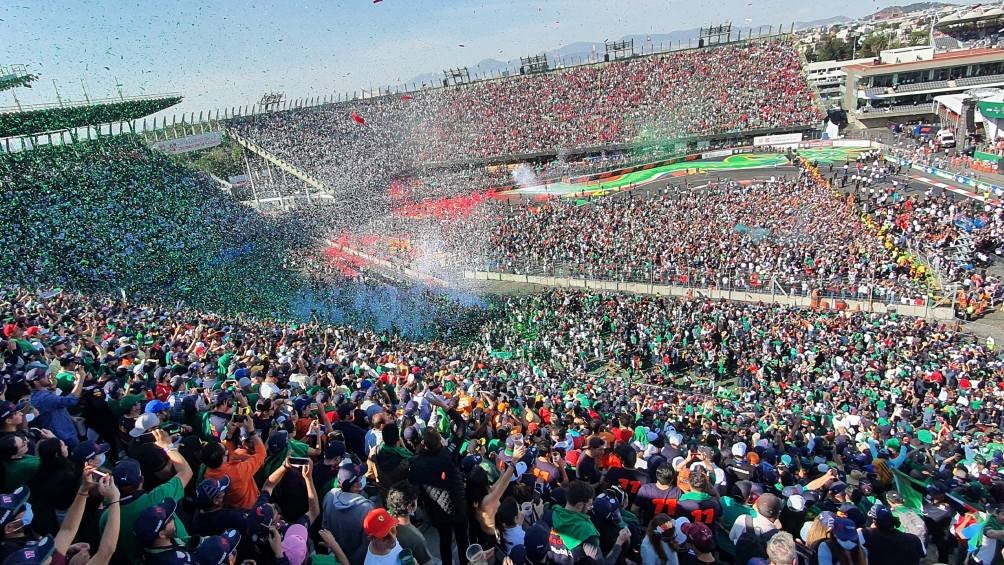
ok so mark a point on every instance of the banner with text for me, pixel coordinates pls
(783, 139)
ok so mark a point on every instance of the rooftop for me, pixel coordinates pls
(950, 57)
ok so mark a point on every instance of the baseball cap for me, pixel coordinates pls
(349, 474)
(8, 409)
(11, 504)
(32, 554)
(294, 545)
(797, 502)
(87, 450)
(209, 489)
(827, 519)
(894, 497)
(700, 535)
(334, 449)
(606, 508)
(769, 506)
(152, 520)
(277, 441)
(378, 523)
(216, 550)
(128, 473)
(844, 530)
(35, 374)
(144, 423)
(155, 406)
(536, 542)
(260, 517)
(838, 487)
(884, 517)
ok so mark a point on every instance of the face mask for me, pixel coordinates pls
(28, 515)
(101, 459)
(847, 544)
(362, 483)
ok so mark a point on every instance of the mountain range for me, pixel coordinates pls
(584, 49)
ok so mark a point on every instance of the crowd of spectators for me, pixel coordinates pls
(362, 146)
(217, 440)
(790, 231)
(112, 214)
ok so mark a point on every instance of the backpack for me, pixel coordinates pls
(751, 544)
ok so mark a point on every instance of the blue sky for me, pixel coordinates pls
(227, 53)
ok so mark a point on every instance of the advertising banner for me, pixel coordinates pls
(190, 143)
(991, 110)
(716, 154)
(777, 139)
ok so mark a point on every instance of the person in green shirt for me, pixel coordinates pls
(66, 376)
(18, 466)
(129, 478)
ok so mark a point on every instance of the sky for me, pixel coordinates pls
(226, 53)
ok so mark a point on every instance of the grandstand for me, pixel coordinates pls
(14, 76)
(727, 91)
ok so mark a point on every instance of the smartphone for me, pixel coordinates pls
(98, 475)
(299, 461)
(238, 418)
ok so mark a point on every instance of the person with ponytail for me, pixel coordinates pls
(660, 543)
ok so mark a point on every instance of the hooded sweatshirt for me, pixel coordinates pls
(343, 516)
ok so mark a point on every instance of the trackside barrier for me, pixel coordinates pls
(931, 312)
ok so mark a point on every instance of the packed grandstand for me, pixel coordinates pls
(188, 379)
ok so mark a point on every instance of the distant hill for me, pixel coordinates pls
(897, 11)
(584, 49)
(575, 52)
(822, 22)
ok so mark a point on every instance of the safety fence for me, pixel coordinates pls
(772, 293)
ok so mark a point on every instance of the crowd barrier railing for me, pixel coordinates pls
(767, 291)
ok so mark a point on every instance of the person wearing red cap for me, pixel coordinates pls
(381, 528)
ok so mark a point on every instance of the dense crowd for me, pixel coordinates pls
(366, 144)
(112, 214)
(790, 232)
(154, 435)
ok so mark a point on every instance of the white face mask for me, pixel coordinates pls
(101, 459)
(362, 483)
(847, 544)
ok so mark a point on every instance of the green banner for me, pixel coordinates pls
(988, 157)
(991, 110)
(498, 354)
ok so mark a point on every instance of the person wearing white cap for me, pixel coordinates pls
(737, 469)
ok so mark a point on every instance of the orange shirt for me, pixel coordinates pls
(241, 467)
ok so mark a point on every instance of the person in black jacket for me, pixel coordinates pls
(886, 544)
(391, 460)
(441, 494)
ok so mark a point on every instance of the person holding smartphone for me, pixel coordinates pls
(228, 459)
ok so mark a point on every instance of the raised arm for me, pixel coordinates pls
(313, 505)
(110, 536)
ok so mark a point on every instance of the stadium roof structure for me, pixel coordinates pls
(13, 76)
(41, 118)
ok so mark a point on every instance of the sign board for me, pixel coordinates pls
(988, 157)
(190, 143)
(777, 139)
(716, 154)
(991, 110)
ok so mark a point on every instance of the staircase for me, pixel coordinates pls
(278, 162)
